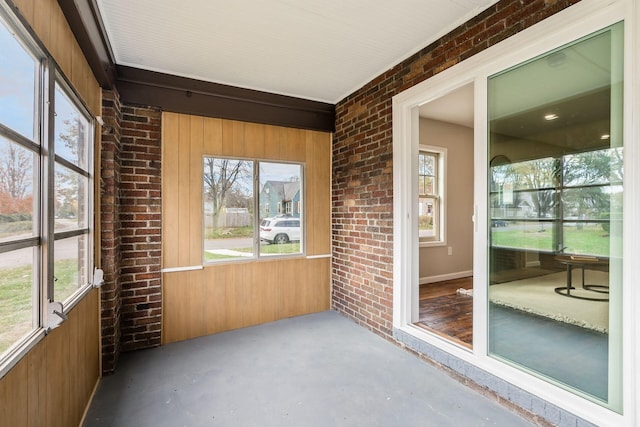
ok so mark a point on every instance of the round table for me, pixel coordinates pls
(583, 262)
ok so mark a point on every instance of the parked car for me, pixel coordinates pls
(499, 223)
(280, 230)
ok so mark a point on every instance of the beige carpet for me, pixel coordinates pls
(536, 295)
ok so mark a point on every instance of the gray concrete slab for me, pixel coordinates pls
(316, 370)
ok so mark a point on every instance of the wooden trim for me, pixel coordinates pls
(197, 97)
(86, 24)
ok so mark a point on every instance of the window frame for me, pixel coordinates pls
(42, 146)
(439, 198)
(256, 255)
(576, 21)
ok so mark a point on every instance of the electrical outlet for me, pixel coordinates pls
(449, 250)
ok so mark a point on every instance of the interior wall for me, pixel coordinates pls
(53, 383)
(225, 296)
(435, 262)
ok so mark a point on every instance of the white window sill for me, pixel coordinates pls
(431, 244)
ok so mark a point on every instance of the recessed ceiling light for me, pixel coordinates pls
(605, 136)
(550, 116)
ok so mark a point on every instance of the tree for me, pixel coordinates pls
(540, 174)
(15, 168)
(70, 191)
(220, 178)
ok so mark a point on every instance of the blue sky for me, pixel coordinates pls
(17, 94)
(17, 85)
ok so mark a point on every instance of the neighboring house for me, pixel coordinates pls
(280, 198)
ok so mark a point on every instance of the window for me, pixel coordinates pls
(549, 204)
(232, 230)
(45, 191)
(579, 70)
(555, 209)
(430, 194)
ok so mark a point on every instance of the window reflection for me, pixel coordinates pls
(555, 211)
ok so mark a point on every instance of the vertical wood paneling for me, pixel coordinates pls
(170, 189)
(37, 384)
(195, 315)
(212, 136)
(254, 139)
(227, 296)
(78, 71)
(293, 146)
(16, 390)
(52, 384)
(91, 338)
(74, 355)
(195, 191)
(214, 289)
(42, 19)
(64, 44)
(26, 8)
(171, 315)
(228, 149)
(272, 142)
(318, 208)
(183, 189)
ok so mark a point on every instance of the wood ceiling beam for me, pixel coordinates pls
(185, 95)
(189, 96)
(86, 24)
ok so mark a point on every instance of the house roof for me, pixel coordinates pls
(286, 190)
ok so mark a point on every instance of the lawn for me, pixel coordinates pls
(591, 239)
(16, 298)
(283, 249)
(227, 232)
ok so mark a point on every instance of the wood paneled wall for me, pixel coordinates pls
(233, 295)
(53, 383)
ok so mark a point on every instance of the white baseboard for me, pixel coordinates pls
(532, 264)
(443, 277)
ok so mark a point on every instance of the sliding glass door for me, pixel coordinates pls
(555, 216)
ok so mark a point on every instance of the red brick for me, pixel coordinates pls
(362, 184)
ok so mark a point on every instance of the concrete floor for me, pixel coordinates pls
(316, 370)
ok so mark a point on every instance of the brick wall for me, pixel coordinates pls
(140, 220)
(362, 269)
(130, 228)
(110, 229)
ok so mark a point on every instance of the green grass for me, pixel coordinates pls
(16, 298)
(591, 239)
(228, 232)
(283, 249)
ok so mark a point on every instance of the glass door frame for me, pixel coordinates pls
(571, 24)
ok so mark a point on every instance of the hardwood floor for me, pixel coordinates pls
(447, 313)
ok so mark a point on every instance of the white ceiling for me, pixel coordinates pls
(455, 107)
(320, 50)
